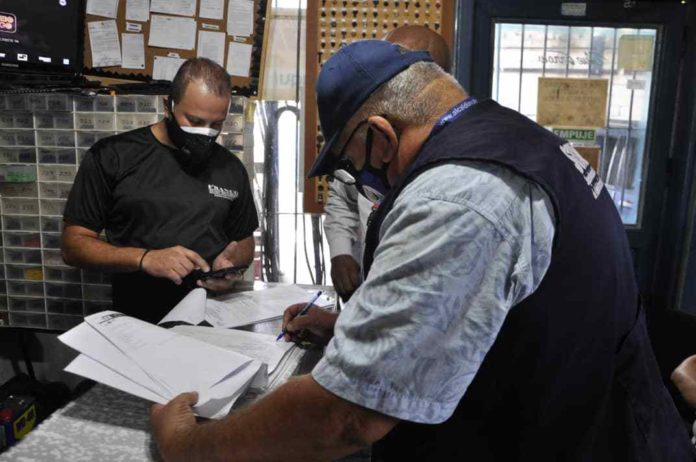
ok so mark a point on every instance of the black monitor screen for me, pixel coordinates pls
(43, 34)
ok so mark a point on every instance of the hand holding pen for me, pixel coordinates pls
(302, 323)
(302, 312)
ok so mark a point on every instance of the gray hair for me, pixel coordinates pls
(406, 97)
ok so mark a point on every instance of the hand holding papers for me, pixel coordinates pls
(157, 364)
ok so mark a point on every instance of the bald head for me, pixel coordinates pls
(422, 38)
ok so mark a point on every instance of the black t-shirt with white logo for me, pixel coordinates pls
(131, 186)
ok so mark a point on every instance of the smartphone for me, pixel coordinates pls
(222, 272)
(196, 275)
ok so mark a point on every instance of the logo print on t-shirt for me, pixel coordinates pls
(223, 193)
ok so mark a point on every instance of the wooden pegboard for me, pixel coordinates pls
(334, 23)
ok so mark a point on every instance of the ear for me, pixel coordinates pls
(386, 135)
(165, 101)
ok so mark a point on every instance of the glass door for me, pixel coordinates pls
(527, 55)
(603, 76)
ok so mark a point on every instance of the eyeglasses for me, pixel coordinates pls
(344, 170)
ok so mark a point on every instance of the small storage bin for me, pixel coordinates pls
(52, 241)
(53, 258)
(52, 207)
(146, 103)
(64, 173)
(233, 124)
(104, 103)
(28, 320)
(64, 306)
(55, 190)
(23, 120)
(17, 155)
(28, 256)
(34, 289)
(37, 102)
(125, 103)
(20, 206)
(62, 275)
(20, 223)
(25, 273)
(59, 103)
(18, 189)
(63, 290)
(22, 239)
(16, 103)
(51, 224)
(104, 121)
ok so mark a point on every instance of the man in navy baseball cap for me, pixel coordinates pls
(347, 79)
(499, 287)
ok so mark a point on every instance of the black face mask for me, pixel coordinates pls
(195, 145)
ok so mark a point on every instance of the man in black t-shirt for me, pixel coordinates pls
(170, 199)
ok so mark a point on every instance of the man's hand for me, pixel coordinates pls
(317, 326)
(684, 378)
(345, 274)
(173, 263)
(172, 425)
(225, 259)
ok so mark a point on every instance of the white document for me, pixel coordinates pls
(172, 32)
(261, 347)
(241, 308)
(137, 10)
(103, 39)
(255, 306)
(212, 45)
(133, 46)
(212, 9)
(165, 68)
(191, 308)
(238, 59)
(158, 364)
(179, 7)
(106, 8)
(240, 17)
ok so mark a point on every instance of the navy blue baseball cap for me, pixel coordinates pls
(345, 82)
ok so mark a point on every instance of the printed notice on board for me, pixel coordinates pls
(133, 46)
(137, 10)
(165, 68)
(572, 102)
(636, 53)
(240, 17)
(178, 7)
(103, 41)
(212, 45)
(106, 8)
(161, 35)
(238, 59)
(211, 9)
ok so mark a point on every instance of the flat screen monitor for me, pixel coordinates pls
(41, 35)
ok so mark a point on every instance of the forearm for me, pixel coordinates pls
(244, 254)
(298, 421)
(93, 253)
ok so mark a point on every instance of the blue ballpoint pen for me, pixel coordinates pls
(303, 311)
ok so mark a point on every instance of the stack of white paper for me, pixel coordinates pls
(158, 364)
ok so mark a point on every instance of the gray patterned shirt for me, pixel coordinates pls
(461, 246)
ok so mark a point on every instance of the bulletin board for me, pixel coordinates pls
(244, 86)
(334, 23)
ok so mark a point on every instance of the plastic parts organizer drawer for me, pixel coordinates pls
(28, 320)
(26, 304)
(20, 223)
